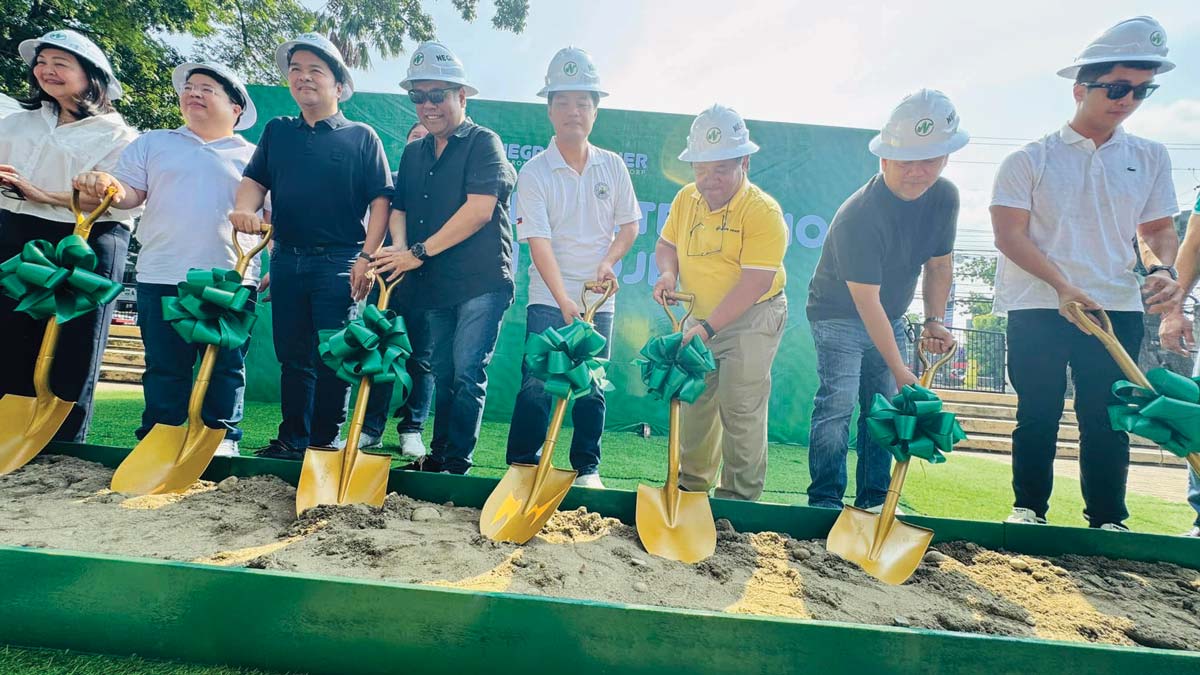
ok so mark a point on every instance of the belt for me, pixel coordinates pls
(318, 250)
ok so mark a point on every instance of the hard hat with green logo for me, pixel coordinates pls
(572, 69)
(318, 43)
(718, 133)
(1138, 39)
(80, 46)
(923, 126)
(434, 61)
(183, 71)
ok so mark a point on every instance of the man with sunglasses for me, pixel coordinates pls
(898, 225)
(451, 238)
(724, 242)
(1065, 210)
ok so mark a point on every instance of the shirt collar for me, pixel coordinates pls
(185, 131)
(51, 117)
(733, 203)
(1072, 137)
(335, 121)
(557, 161)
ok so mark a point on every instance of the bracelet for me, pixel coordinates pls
(707, 328)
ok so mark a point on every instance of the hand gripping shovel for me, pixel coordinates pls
(885, 548)
(1128, 366)
(671, 523)
(171, 458)
(28, 423)
(528, 495)
(349, 475)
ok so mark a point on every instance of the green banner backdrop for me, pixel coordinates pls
(809, 169)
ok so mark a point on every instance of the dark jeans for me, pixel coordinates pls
(464, 339)
(531, 414)
(81, 340)
(170, 360)
(415, 409)
(310, 292)
(1041, 344)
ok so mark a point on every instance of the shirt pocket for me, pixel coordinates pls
(705, 239)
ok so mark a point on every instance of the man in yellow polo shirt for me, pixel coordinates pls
(724, 241)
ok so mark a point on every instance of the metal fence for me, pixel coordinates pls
(978, 363)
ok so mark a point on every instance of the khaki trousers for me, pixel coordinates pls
(729, 421)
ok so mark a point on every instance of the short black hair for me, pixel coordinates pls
(595, 98)
(1094, 71)
(334, 66)
(93, 101)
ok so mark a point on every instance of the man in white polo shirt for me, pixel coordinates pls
(577, 212)
(187, 178)
(1065, 211)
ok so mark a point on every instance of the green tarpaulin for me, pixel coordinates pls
(809, 169)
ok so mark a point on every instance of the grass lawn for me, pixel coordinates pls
(14, 661)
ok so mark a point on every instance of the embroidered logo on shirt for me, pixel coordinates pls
(520, 220)
(602, 190)
(924, 127)
(1130, 168)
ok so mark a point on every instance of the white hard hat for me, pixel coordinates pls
(718, 133)
(184, 70)
(923, 126)
(572, 69)
(1138, 39)
(320, 43)
(69, 40)
(434, 61)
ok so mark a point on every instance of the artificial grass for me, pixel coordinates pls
(17, 661)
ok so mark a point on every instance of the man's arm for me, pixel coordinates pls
(751, 285)
(619, 248)
(246, 205)
(1160, 245)
(935, 288)
(95, 184)
(666, 258)
(879, 327)
(547, 266)
(1175, 331)
(398, 228)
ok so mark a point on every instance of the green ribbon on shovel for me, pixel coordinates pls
(912, 424)
(212, 308)
(567, 360)
(375, 345)
(58, 281)
(672, 369)
(1169, 414)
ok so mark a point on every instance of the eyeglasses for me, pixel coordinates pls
(203, 90)
(700, 245)
(1119, 90)
(434, 96)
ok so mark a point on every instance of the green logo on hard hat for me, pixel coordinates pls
(713, 135)
(570, 69)
(1156, 38)
(57, 35)
(418, 58)
(924, 127)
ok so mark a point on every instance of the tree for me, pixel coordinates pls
(241, 33)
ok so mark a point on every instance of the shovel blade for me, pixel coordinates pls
(321, 479)
(27, 427)
(903, 546)
(692, 536)
(168, 459)
(514, 512)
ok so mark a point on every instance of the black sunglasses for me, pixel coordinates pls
(434, 96)
(1119, 90)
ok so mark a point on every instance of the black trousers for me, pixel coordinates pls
(1041, 344)
(81, 340)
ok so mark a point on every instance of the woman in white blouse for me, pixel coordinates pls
(68, 126)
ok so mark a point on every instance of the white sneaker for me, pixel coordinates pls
(227, 448)
(412, 446)
(368, 442)
(1114, 527)
(338, 443)
(1025, 516)
(591, 480)
(1194, 533)
(878, 508)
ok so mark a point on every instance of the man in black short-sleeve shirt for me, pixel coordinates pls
(900, 223)
(451, 236)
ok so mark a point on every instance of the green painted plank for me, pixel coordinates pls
(263, 619)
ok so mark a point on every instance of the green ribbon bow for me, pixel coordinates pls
(566, 359)
(672, 369)
(211, 309)
(912, 424)
(58, 281)
(1169, 414)
(375, 345)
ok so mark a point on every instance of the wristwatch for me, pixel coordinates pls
(365, 256)
(418, 251)
(707, 328)
(1169, 269)
(933, 319)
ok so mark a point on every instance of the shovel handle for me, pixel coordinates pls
(244, 257)
(928, 371)
(689, 302)
(605, 289)
(1104, 332)
(83, 224)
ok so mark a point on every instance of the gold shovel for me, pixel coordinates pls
(671, 523)
(1104, 333)
(171, 458)
(349, 475)
(28, 423)
(885, 548)
(528, 495)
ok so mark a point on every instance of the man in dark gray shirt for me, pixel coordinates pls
(901, 221)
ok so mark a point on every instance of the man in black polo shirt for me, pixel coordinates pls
(901, 221)
(324, 173)
(452, 208)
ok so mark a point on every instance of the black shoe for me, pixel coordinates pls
(426, 464)
(280, 450)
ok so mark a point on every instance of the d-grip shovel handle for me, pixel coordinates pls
(83, 224)
(1104, 332)
(688, 300)
(244, 257)
(928, 371)
(605, 289)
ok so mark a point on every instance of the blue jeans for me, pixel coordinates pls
(531, 414)
(167, 382)
(464, 339)
(310, 292)
(415, 409)
(850, 370)
(1194, 494)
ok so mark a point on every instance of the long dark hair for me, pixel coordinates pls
(93, 101)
